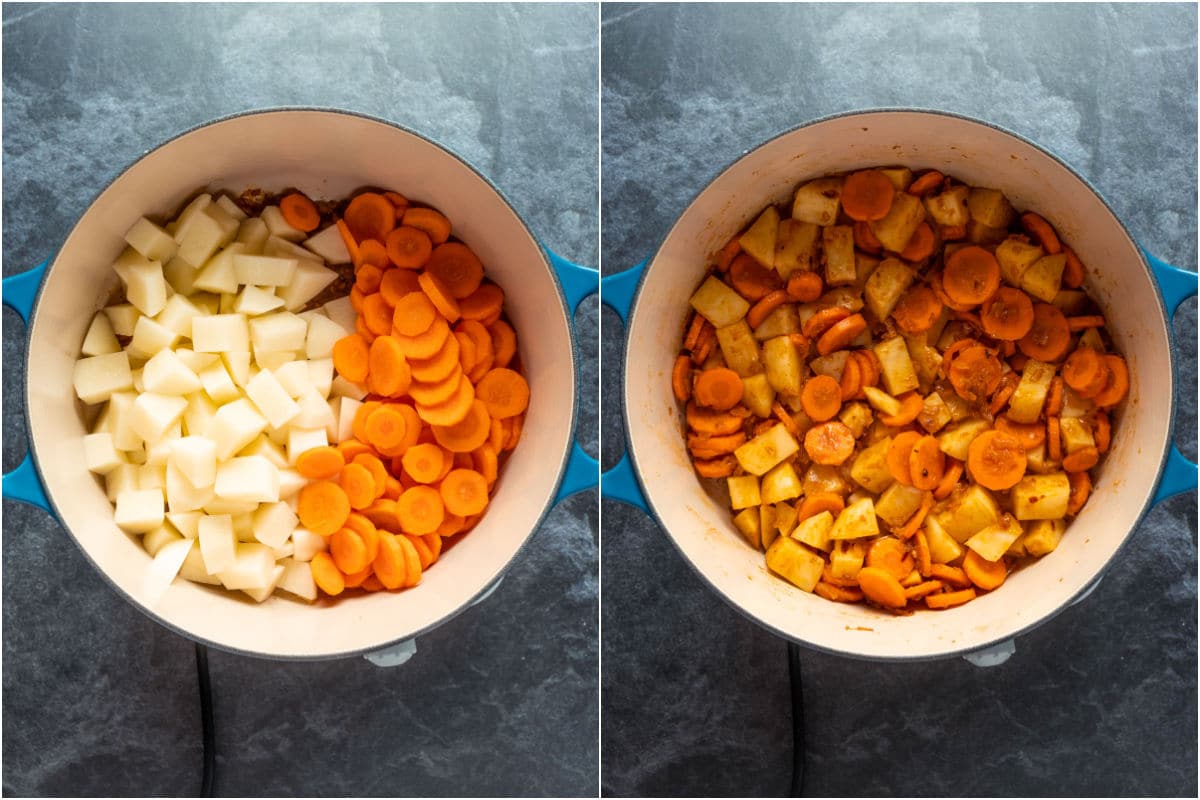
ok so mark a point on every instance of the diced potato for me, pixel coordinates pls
(278, 225)
(886, 286)
(1026, 403)
(152, 414)
(795, 562)
(856, 521)
(196, 458)
(780, 322)
(784, 365)
(1043, 279)
(100, 339)
(277, 333)
(220, 333)
(757, 394)
(990, 207)
(896, 367)
(248, 478)
(139, 510)
(740, 349)
(935, 414)
(956, 441)
(993, 541)
(870, 469)
(847, 297)
(881, 401)
(825, 478)
(766, 525)
(234, 426)
(759, 241)
(898, 503)
(818, 201)
(927, 361)
(743, 491)
(902, 220)
(838, 243)
(253, 233)
(796, 247)
(901, 177)
(784, 515)
(1091, 338)
(1041, 496)
(959, 409)
(166, 373)
(1044, 535)
(864, 266)
(847, 558)
(1076, 434)
(832, 365)
(150, 240)
(1037, 461)
(764, 451)
(1015, 256)
(217, 275)
(271, 399)
(310, 279)
(297, 578)
(122, 317)
(814, 531)
(747, 521)
(1071, 302)
(980, 234)
(856, 416)
(209, 230)
(96, 378)
(965, 513)
(942, 547)
(99, 453)
(328, 244)
(781, 483)
(950, 207)
(718, 303)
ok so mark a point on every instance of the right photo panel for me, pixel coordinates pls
(898, 400)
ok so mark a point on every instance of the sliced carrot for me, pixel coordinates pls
(718, 388)
(829, 443)
(348, 550)
(451, 524)
(1054, 398)
(1008, 386)
(348, 240)
(867, 195)
(485, 355)
(971, 275)
(354, 447)
(837, 593)
(727, 253)
(1072, 276)
(427, 344)
(911, 404)
(821, 397)
(704, 344)
(299, 212)
(823, 320)
(851, 385)
(412, 561)
(356, 580)
(936, 284)
(320, 463)
(432, 370)
(917, 591)
(1118, 384)
(386, 427)
(1085, 371)
(920, 245)
(924, 558)
(1041, 230)
(372, 253)
(433, 222)
(996, 460)
(1008, 315)
(890, 555)
(322, 507)
(389, 374)
(389, 562)
(424, 462)
(326, 575)
(769, 302)
(713, 446)
(370, 216)
(368, 278)
(408, 247)
(865, 239)
(382, 514)
(914, 523)
(975, 373)
(926, 183)
(917, 310)
(880, 586)
(841, 334)
(420, 510)
(899, 456)
(987, 575)
(485, 301)
(952, 233)
(694, 326)
(949, 599)
(415, 313)
(360, 327)
(398, 201)
(1084, 322)
(395, 284)
(377, 314)
(457, 267)
(430, 394)
(827, 576)
(359, 423)
(751, 279)
(805, 286)
(358, 485)
(1102, 431)
(467, 434)
(464, 492)
(926, 464)
(356, 299)
(1081, 460)
(453, 410)
(1053, 439)
(440, 295)
(721, 467)
(425, 555)
(951, 575)
(814, 504)
(485, 459)
(497, 436)
(1031, 435)
(954, 471)
(1050, 335)
(351, 358)
(1081, 487)
(869, 366)
(516, 425)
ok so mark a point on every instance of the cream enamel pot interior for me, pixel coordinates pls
(326, 154)
(979, 154)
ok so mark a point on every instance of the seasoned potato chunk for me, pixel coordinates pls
(794, 561)
(902, 220)
(887, 284)
(796, 246)
(764, 451)
(718, 303)
(1041, 496)
(838, 242)
(759, 240)
(818, 201)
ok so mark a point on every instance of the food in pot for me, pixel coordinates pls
(902, 386)
(265, 431)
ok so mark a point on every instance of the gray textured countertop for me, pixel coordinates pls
(1101, 699)
(99, 700)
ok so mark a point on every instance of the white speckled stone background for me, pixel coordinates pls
(1099, 701)
(99, 700)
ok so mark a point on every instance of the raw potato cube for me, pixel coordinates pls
(307, 544)
(838, 242)
(718, 303)
(100, 339)
(297, 578)
(99, 454)
(301, 439)
(177, 315)
(782, 321)
(122, 479)
(217, 383)
(314, 411)
(739, 348)
(206, 234)
(278, 225)
(814, 531)
(870, 469)
(895, 366)
(956, 441)
(1015, 256)
(263, 446)
(1043, 279)
(249, 478)
(781, 483)
(166, 373)
(935, 414)
(748, 522)
(168, 559)
(847, 558)
(152, 414)
(764, 451)
(342, 312)
(856, 521)
(942, 547)
(180, 276)
(1041, 496)
(992, 542)
(743, 492)
(886, 286)
(271, 399)
(139, 510)
(230, 208)
(145, 287)
(150, 240)
(149, 338)
(328, 244)
(220, 333)
(152, 476)
(950, 207)
(96, 378)
(796, 247)
(182, 496)
(323, 332)
(832, 365)
(294, 377)
(990, 207)
(196, 458)
(187, 523)
(902, 220)
(818, 201)
(965, 514)
(320, 375)
(784, 365)
(792, 560)
(857, 417)
(234, 426)
(218, 544)
(882, 402)
(1076, 434)
(123, 317)
(1044, 536)
(252, 568)
(759, 241)
(264, 270)
(1026, 402)
(183, 223)
(253, 234)
(758, 395)
(217, 274)
(898, 503)
(254, 300)
(309, 281)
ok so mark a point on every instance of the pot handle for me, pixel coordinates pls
(1175, 285)
(620, 482)
(19, 293)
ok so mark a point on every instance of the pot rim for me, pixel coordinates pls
(1158, 296)
(562, 465)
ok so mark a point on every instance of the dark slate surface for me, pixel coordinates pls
(1099, 701)
(99, 700)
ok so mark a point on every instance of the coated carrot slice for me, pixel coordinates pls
(814, 504)
(443, 300)
(971, 275)
(1049, 337)
(414, 314)
(949, 599)
(326, 575)
(926, 183)
(1054, 398)
(823, 320)
(299, 212)
(975, 373)
(1086, 321)
(926, 463)
(987, 575)
(920, 245)
(370, 216)
(1008, 315)
(890, 555)
(837, 593)
(464, 492)
(433, 222)
(829, 443)
(721, 467)
(867, 195)
(485, 301)
(320, 463)
(922, 589)
(715, 423)
(1053, 439)
(467, 434)
(1118, 385)
(899, 456)
(914, 523)
(1102, 431)
(954, 471)
(821, 397)
(924, 558)
(1030, 434)
(1008, 386)
(424, 462)
(322, 507)
(1081, 487)
(1073, 275)
(1081, 460)
(408, 247)
(1041, 230)
(865, 239)
(718, 388)
(911, 404)
(351, 358)
(1085, 371)
(996, 460)
(805, 286)
(841, 334)
(759, 311)
(420, 510)
(880, 586)
(917, 310)
(752, 280)
(951, 575)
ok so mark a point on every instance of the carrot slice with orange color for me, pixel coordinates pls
(322, 507)
(917, 310)
(841, 334)
(467, 434)
(354, 447)
(358, 485)
(299, 212)
(759, 311)
(389, 562)
(420, 510)
(823, 320)
(971, 275)
(320, 463)
(372, 253)
(911, 404)
(814, 504)
(424, 462)
(395, 284)
(464, 492)
(412, 561)
(408, 247)
(926, 183)
(1008, 315)
(805, 286)
(867, 195)
(996, 460)
(1118, 384)
(443, 300)
(899, 454)
(1081, 460)
(890, 555)
(718, 388)
(1049, 337)
(751, 279)
(504, 343)
(920, 245)
(430, 394)
(880, 586)
(1085, 371)
(386, 427)
(368, 278)
(1041, 230)
(1102, 431)
(377, 314)
(370, 216)
(349, 551)
(414, 314)
(457, 267)
(348, 240)
(427, 344)
(949, 599)
(926, 464)
(1081, 487)
(829, 443)
(432, 370)
(482, 303)
(1073, 275)
(987, 575)
(326, 575)
(821, 397)
(975, 373)
(851, 379)
(453, 410)
(1031, 435)
(389, 374)
(954, 471)
(351, 358)
(486, 460)
(429, 220)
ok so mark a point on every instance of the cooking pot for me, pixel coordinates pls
(326, 154)
(1137, 293)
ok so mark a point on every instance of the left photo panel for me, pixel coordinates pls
(300, 399)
